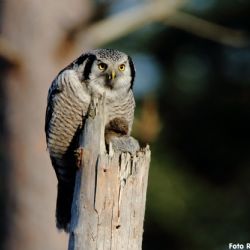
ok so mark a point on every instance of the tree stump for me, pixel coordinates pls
(110, 191)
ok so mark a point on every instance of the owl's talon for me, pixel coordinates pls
(79, 154)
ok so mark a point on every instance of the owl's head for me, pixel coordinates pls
(106, 70)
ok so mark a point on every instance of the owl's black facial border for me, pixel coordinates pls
(81, 59)
(87, 70)
(133, 71)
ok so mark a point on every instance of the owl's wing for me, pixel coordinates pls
(67, 105)
(56, 88)
(53, 90)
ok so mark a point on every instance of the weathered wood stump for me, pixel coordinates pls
(110, 192)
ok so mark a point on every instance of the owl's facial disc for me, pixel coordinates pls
(110, 75)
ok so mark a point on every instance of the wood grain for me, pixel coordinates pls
(110, 193)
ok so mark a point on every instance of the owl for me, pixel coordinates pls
(93, 73)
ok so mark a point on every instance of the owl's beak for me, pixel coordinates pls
(112, 75)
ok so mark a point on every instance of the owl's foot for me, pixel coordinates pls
(125, 144)
(79, 154)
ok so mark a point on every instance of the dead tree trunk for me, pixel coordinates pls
(110, 192)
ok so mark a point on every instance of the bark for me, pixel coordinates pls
(110, 192)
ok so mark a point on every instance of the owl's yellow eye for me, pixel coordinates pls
(102, 66)
(122, 67)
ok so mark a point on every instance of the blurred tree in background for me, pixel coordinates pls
(193, 108)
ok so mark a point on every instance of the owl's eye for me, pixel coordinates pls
(122, 67)
(102, 66)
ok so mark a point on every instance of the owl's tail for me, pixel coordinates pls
(63, 204)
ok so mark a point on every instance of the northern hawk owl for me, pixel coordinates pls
(95, 72)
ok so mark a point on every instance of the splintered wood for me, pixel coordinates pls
(110, 192)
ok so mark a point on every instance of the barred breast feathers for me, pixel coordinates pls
(122, 107)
